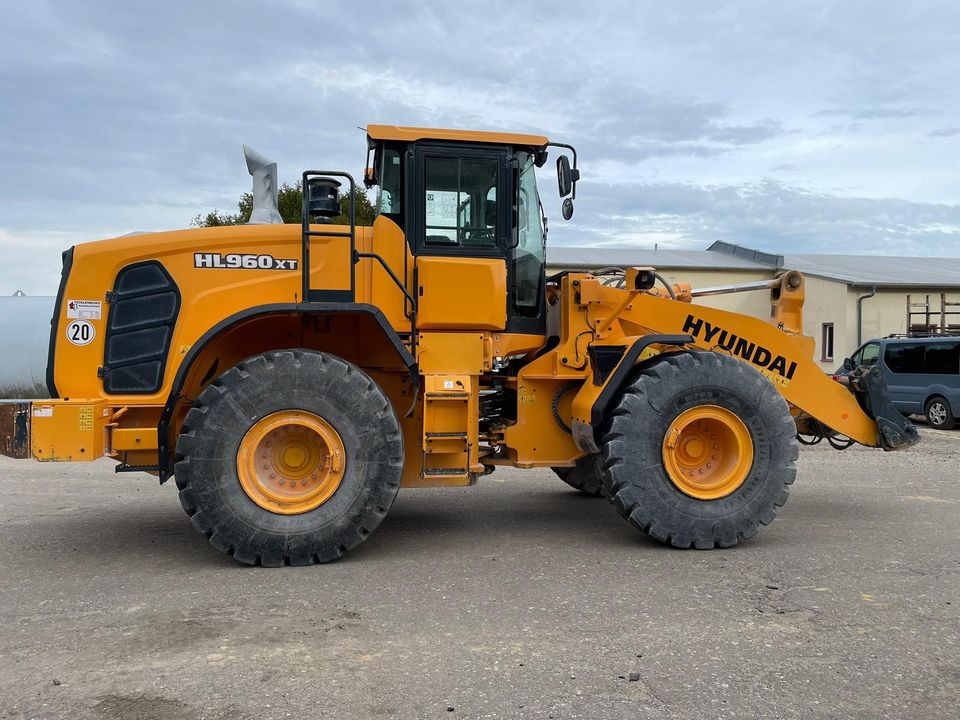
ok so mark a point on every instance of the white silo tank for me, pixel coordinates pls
(24, 341)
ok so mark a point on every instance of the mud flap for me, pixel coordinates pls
(15, 430)
(895, 431)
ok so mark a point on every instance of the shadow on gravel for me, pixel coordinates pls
(423, 526)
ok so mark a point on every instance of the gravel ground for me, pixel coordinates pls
(515, 598)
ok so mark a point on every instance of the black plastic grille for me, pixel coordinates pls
(143, 311)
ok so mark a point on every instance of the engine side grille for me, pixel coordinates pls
(144, 306)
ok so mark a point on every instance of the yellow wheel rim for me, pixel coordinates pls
(707, 452)
(291, 462)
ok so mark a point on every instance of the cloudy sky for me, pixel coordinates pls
(785, 126)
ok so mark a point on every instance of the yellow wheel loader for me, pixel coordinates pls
(292, 378)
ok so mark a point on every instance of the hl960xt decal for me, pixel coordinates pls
(237, 261)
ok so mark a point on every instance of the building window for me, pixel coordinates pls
(826, 341)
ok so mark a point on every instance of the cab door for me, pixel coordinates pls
(461, 222)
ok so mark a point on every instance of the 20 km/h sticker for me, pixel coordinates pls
(81, 332)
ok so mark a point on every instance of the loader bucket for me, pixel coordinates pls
(895, 431)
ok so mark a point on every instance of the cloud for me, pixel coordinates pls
(767, 215)
(878, 113)
(945, 132)
(118, 121)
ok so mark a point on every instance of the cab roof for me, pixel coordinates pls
(412, 134)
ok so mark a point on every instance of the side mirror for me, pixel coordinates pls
(567, 209)
(564, 176)
(848, 365)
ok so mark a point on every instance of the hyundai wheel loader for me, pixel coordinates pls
(291, 378)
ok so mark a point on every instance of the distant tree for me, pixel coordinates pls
(289, 202)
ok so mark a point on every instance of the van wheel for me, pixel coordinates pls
(938, 414)
(290, 458)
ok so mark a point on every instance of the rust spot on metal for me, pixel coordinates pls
(15, 429)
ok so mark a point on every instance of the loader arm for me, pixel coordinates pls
(623, 317)
(786, 360)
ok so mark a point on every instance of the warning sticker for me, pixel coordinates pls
(84, 309)
(85, 421)
(43, 411)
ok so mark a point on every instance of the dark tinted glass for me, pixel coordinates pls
(942, 358)
(904, 358)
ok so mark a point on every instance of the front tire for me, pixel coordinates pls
(700, 451)
(291, 457)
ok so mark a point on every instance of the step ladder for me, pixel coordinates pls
(449, 429)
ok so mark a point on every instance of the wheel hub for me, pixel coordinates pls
(291, 462)
(707, 452)
(938, 413)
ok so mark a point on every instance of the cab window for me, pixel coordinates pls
(529, 251)
(390, 179)
(460, 202)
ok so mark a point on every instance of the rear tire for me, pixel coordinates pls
(294, 383)
(586, 476)
(634, 447)
(939, 415)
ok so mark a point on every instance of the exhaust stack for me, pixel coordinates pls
(264, 175)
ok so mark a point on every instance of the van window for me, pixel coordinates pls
(904, 357)
(867, 355)
(942, 359)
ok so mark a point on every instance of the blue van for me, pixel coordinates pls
(922, 374)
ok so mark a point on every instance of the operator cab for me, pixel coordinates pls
(461, 194)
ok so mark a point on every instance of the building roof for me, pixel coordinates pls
(862, 270)
(586, 257)
(859, 270)
(879, 270)
(412, 134)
